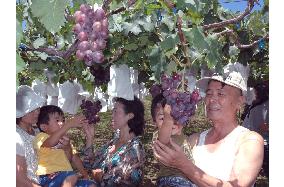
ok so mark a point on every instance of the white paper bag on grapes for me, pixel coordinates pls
(120, 83)
(39, 87)
(69, 100)
(102, 97)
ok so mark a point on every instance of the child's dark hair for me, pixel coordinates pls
(45, 111)
(137, 123)
(156, 100)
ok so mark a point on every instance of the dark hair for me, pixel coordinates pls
(262, 93)
(43, 117)
(156, 100)
(137, 123)
(18, 120)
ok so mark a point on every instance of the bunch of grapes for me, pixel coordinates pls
(91, 29)
(155, 90)
(90, 110)
(101, 74)
(183, 103)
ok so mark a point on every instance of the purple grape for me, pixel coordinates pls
(98, 57)
(100, 14)
(91, 29)
(83, 46)
(90, 110)
(183, 104)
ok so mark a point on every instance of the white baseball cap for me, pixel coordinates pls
(233, 74)
(27, 101)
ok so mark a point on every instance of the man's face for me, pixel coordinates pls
(222, 102)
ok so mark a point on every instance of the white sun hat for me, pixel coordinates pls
(27, 100)
(235, 75)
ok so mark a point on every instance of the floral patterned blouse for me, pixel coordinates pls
(122, 168)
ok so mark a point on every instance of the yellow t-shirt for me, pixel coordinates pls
(50, 160)
(181, 140)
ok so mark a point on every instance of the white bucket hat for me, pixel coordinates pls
(27, 100)
(233, 74)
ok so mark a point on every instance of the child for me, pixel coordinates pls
(168, 128)
(54, 149)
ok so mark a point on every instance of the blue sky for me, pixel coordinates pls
(239, 5)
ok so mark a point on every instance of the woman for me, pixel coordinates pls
(226, 154)
(120, 161)
(27, 111)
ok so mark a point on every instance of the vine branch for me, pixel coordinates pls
(221, 24)
(55, 52)
(232, 34)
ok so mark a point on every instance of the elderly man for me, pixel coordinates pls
(227, 154)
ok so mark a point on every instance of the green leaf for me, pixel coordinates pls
(157, 59)
(19, 33)
(234, 50)
(169, 42)
(131, 46)
(39, 42)
(143, 40)
(171, 67)
(213, 57)
(169, 21)
(131, 27)
(20, 64)
(196, 38)
(50, 13)
(146, 23)
(256, 24)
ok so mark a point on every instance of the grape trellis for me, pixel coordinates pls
(153, 36)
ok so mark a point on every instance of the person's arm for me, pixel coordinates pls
(245, 169)
(78, 164)
(77, 121)
(165, 131)
(21, 173)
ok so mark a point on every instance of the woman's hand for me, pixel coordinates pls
(170, 157)
(97, 174)
(89, 131)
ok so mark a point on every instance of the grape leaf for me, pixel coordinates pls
(50, 13)
(146, 23)
(19, 33)
(168, 20)
(171, 67)
(131, 46)
(39, 42)
(256, 24)
(157, 59)
(196, 38)
(131, 27)
(20, 64)
(213, 56)
(169, 42)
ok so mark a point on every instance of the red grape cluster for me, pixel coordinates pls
(91, 29)
(183, 104)
(155, 90)
(101, 74)
(90, 110)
